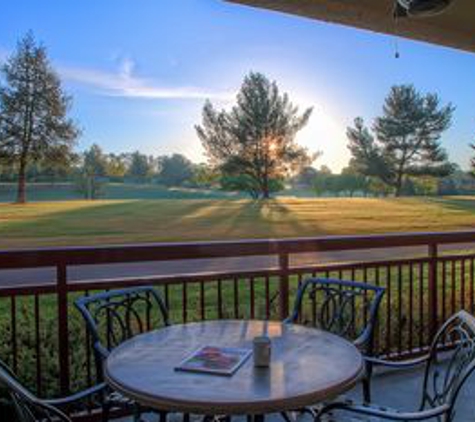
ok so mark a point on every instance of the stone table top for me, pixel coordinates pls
(307, 366)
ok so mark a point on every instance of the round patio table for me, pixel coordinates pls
(307, 366)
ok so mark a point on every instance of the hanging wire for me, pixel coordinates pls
(396, 34)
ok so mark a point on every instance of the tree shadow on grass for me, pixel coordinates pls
(279, 219)
(157, 221)
(102, 219)
(455, 203)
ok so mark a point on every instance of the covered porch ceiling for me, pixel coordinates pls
(453, 28)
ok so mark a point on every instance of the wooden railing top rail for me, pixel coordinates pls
(105, 283)
(90, 255)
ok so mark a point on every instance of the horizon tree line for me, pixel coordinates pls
(251, 147)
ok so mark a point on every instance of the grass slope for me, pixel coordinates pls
(125, 221)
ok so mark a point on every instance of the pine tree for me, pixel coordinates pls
(254, 143)
(33, 112)
(405, 141)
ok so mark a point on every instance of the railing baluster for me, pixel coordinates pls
(167, 296)
(14, 333)
(432, 289)
(378, 323)
(236, 297)
(299, 284)
(462, 284)
(284, 285)
(365, 296)
(353, 315)
(39, 390)
(202, 300)
(251, 298)
(399, 300)
(63, 331)
(388, 309)
(148, 314)
(219, 292)
(88, 351)
(108, 328)
(185, 302)
(472, 281)
(411, 305)
(454, 286)
(267, 296)
(421, 305)
(444, 289)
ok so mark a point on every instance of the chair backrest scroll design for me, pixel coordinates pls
(115, 316)
(28, 407)
(451, 361)
(346, 308)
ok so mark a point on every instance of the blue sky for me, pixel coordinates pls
(140, 71)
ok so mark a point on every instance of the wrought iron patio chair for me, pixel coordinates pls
(114, 317)
(29, 408)
(346, 308)
(449, 363)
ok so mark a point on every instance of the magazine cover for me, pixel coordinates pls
(215, 360)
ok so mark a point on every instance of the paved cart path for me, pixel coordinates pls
(76, 274)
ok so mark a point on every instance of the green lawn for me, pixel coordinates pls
(125, 221)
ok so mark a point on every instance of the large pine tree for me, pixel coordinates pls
(405, 141)
(254, 143)
(34, 125)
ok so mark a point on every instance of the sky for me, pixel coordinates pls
(140, 71)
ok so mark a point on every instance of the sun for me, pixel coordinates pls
(327, 134)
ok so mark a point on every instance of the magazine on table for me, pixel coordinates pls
(215, 360)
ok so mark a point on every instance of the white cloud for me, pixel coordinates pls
(124, 83)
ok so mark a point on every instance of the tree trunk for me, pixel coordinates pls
(21, 191)
(399, 179)
(398, 187)
(265, 187)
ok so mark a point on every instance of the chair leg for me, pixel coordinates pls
(366, 390)
(163, 416)
(137, 414)
(255, 418)
(366, 383)
(105, 412)
(286, 417)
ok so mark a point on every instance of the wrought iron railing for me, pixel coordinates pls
(45, 341)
